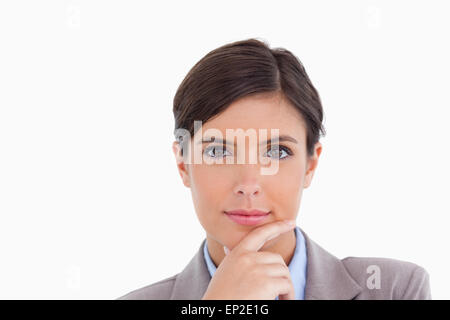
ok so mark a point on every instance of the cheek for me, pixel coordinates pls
(209, 187)
(286, 189)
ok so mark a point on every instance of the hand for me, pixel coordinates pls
(247, 274)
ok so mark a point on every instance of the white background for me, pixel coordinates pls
(91, 204)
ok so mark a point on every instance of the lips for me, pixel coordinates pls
(248, 212)
(247, 218)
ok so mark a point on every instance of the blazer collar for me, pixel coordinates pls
(326, 279)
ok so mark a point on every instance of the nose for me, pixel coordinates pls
(247, 189)
(248, 180)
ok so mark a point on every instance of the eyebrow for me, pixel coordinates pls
(219, 140)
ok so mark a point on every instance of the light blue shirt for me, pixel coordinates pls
(297, 266)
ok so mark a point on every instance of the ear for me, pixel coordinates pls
(312, 165)
(182, 167)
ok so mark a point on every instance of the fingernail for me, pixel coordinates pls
(225, 249)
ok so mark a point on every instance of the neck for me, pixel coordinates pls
(284, 245)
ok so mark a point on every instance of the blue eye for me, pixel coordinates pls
(275, 152)
(219, 151)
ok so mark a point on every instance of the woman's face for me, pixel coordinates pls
(220, 187)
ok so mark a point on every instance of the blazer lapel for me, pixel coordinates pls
(326, 278)
(192, 282)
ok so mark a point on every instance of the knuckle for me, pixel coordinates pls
(246, 259)
(275, 256)
(258, 271)
(285, 270)
(279, 258)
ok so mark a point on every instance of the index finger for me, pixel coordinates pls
(257, 237)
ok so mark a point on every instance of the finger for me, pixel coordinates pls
(287, 291)
(275, 270)
(257, 237)
(266, 257)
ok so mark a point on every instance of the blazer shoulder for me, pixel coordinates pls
(387, 278)
(160, 290)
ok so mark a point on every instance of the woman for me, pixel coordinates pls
(245, 89)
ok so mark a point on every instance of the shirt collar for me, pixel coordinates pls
(297, 265)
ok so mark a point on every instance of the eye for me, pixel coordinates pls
(219, 151)
(279, 152)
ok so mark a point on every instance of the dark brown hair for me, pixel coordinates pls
(242, 68)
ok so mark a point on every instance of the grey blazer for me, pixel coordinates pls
(327, 278)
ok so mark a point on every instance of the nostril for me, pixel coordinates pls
(247, 190)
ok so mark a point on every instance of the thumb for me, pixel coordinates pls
(226, 250)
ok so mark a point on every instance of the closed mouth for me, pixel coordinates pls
(248, 212)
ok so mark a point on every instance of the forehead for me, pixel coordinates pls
(260, 111)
